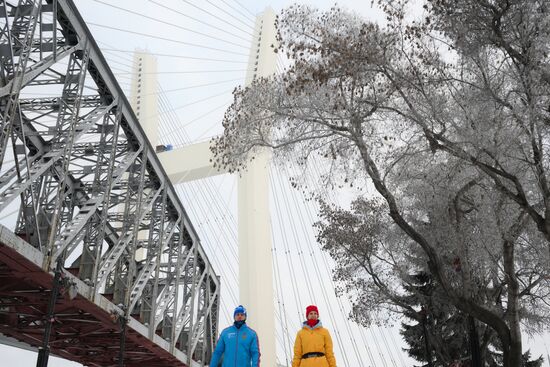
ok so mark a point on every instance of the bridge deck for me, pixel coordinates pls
(85, 329)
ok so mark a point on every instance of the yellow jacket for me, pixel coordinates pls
(316, 339)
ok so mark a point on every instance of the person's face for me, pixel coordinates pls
(240, 317)
(312, 315)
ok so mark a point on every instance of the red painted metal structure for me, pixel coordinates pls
(83, 331)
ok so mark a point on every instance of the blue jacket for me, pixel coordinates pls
(240, 348)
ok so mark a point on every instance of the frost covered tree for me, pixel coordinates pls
(448, 117)
(441, 335)
(476, 231)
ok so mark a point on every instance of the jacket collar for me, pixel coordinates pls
(318, 325)
(245, 326)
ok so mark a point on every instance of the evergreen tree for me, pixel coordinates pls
(527, 362)
(441, 332)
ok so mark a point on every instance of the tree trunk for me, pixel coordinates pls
(426, 343)
(508, 338)
(512, 311)
(514, 357)
(475, 351)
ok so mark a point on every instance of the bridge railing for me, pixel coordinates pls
(88, 187)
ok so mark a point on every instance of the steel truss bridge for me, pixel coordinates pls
(102, 266)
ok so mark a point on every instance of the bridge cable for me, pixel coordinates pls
(245, 16)
(280, 338)
(397, 348)
(301, 257)
(315, 183)
(293, 231)
(203, 135)
(318, 173)
(394, 349)
(166, 91)
(186, 124)
(109, 53)
(299, 312)
(315, 264)
(231, 15)
(117, 69)
(207, 230)
(210, 243)
(363, 336)
(179, 131)
(289, 261)
(309, 283)
(202, 224)
(192, 103)
(190, 184)
(317, 170)
(547, 352)
(223, 20)
(245, 8)
(308, 209)
(185, 72)
(317, 270)
(170, 24)
(385, 341)
(293, 278)
(173, 120)
(201, 190)
(109, 61)
(112, 50)
(225, 31)
(280, 295)
(206, 237)
(281, 68)
(165, 39)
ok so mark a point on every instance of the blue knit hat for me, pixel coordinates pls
(239, 309)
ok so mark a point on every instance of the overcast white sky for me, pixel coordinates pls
(202, 119)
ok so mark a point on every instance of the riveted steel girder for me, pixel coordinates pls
(91, 191)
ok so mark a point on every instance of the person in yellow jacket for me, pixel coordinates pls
(313, 345)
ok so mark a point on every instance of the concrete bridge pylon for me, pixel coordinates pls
(194, 162)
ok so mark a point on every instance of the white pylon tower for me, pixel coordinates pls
(194, 162)
(255, 241)
(144, 102)
(143, 93)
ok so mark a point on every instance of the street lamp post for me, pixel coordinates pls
(44, 350)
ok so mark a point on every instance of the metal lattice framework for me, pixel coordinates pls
(92, 196)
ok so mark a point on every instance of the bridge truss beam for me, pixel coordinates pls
(91, 193)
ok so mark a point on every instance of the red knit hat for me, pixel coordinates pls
(311, 308)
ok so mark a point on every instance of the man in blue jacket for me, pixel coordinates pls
(238, 344)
